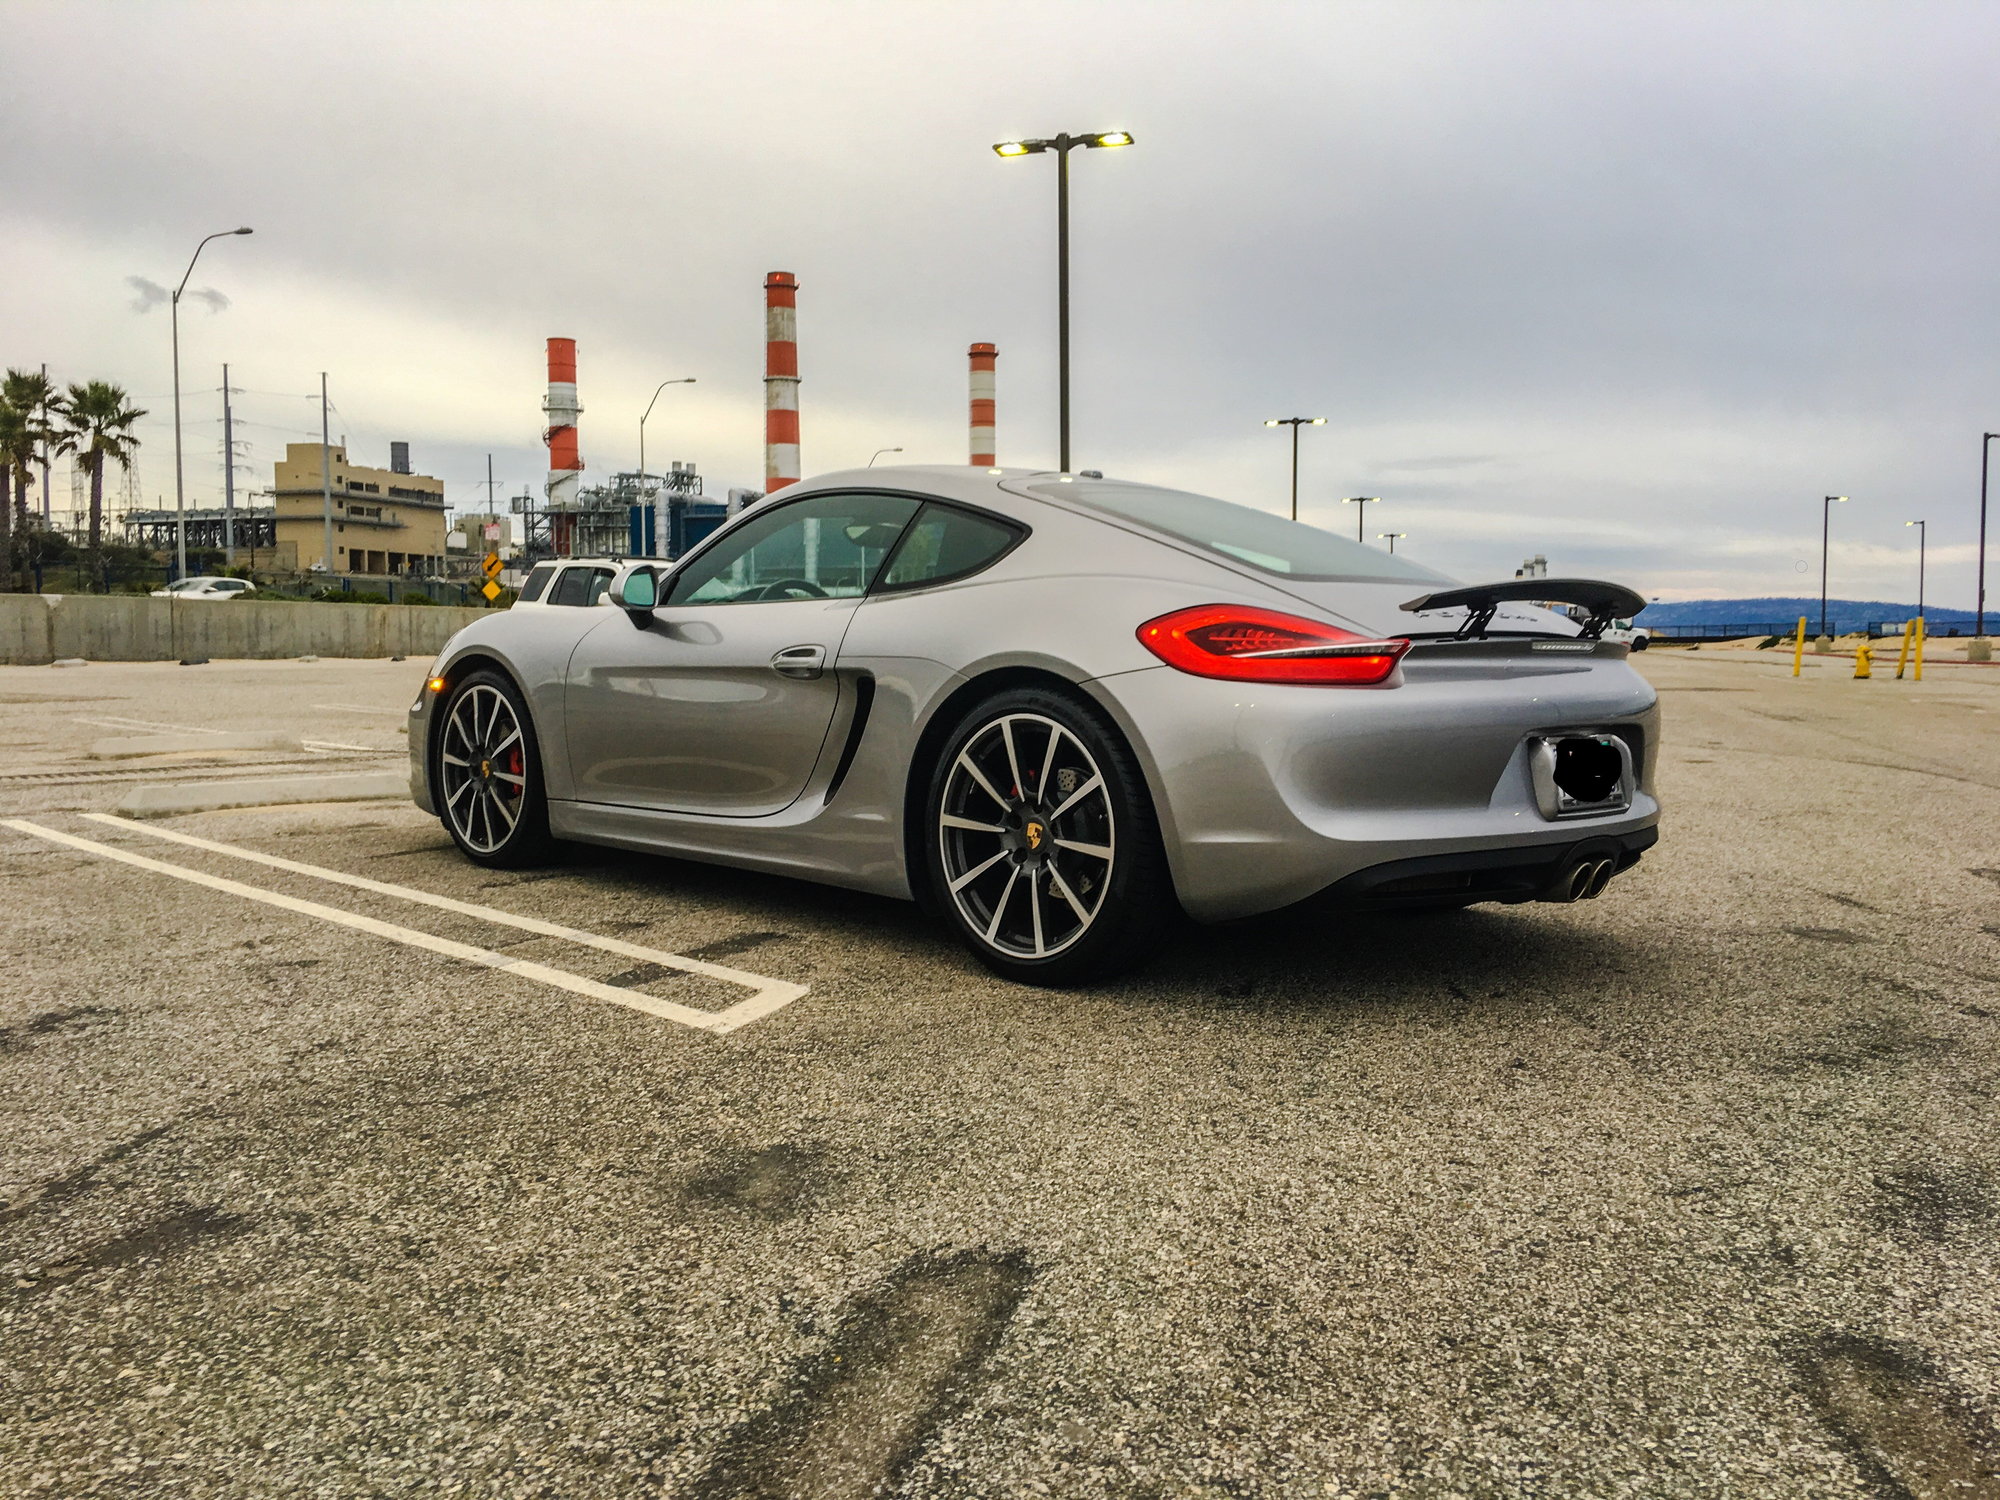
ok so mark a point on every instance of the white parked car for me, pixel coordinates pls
(206, 588)
(1638, 637)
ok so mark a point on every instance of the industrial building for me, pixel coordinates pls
(387, 523)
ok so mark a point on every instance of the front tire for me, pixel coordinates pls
(487, 769)
(1041, 847)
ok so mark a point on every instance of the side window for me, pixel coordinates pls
(536, 583)
(573, 587)
(600, 580)
(946, 544)
(823, 547)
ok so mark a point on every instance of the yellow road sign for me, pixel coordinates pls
(490, 589)
(492, 565)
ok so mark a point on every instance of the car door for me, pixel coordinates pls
(719, 700)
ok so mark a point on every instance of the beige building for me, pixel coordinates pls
(386, 522)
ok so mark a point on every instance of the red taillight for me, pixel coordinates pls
(1242, 643)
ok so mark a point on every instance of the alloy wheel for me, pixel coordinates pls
(1027, 835)
(482, 768)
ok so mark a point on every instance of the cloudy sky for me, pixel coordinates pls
(1630, 285)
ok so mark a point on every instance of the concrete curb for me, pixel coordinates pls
(277, 791)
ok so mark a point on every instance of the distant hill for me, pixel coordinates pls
(1842, 614)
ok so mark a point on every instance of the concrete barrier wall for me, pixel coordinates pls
(36, 629)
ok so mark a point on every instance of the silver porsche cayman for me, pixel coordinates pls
(1058, 710)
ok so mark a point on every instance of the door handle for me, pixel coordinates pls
(803, 662)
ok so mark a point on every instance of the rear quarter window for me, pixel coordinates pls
(943, 544)
(537, 583)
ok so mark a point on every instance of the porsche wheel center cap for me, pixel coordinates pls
(1035, 834)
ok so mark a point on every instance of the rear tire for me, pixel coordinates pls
(487, 771)
(1040, 844)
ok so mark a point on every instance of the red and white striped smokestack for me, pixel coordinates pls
(781, 381)
(560, 406)
(984, 356)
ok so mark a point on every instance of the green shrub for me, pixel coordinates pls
(417, 599)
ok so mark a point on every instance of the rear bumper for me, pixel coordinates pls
(1269, 795)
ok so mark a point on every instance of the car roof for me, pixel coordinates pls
(996, 489)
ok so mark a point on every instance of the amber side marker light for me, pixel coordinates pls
(436, 684)
(1242, 643)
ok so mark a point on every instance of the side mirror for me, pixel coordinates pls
(637, 592)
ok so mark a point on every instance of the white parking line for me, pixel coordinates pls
(361, 708)
(771, 994)
(112, 721)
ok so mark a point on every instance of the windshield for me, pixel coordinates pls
(1269, 543)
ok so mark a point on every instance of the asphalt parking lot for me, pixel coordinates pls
(317, 1187)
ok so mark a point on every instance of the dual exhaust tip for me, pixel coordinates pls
(1584, 881)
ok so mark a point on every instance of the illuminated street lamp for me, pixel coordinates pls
(180, 498)
(1062, 145)
(1825, 511)
(1392, 536)
(1295, 423)
(1364, 501)
(1923, 532)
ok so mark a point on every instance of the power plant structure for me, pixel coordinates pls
(634, 515)
(781, 381)
(984, 357)
(662, 515)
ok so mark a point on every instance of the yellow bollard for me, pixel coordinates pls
(1799, 647)
(1861, 660)
(1920, 648)
(1903, 657)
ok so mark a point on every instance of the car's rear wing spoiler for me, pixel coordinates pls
(1605, 601)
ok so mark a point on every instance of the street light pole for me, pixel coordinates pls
(1062, 145)
(1825, 511)
(174, 316)
(1295, 423)
(1922, 542)
(689, 381)
(1985, 447)
(1364, 501)
(1392, 535)
(878, 453)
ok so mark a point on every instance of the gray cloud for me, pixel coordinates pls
(150, 293)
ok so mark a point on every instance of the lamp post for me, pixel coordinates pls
(1062, 145)
(1825, 511)
(689, 381)
(1923, 538)
(174, 316)
(1295, 423)
(1985, 447)
(879, 452)
(1392, 536)
(1363, 501)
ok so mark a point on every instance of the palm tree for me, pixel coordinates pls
(25, 431)
(13, 469)
(97, 419)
